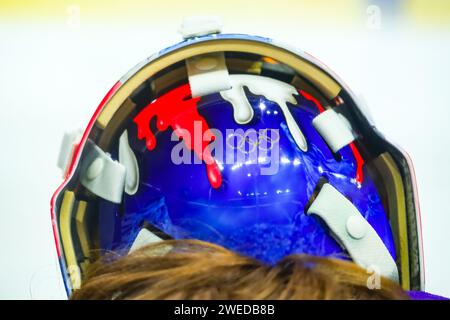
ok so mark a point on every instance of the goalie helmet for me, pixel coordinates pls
(243, 142)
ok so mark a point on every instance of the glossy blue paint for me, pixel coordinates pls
(261, 216)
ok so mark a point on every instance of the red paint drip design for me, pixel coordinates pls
(358, 158)
(178, 110)
(359, 162)
(309, 97)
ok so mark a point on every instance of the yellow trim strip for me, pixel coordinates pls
(168, 79)
(298, 82)
(393, 184)
(243, 65)
(163, 82)
(80, 218)
(65, 223)
(115, 124)
(321, 80)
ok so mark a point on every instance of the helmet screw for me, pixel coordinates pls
(356, 227)
(95, 168)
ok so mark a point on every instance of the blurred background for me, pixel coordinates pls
(58, 58)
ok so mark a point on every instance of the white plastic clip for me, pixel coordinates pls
(101, 175)
(196, 26)
(353, 232)
(334, 129)
(208, 74)
(129, 161)
(144, 238)
(70, 140)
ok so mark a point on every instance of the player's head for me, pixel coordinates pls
(192, 269)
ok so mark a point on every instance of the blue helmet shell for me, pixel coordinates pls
(261, 216)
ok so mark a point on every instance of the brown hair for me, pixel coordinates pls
(191, 269)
